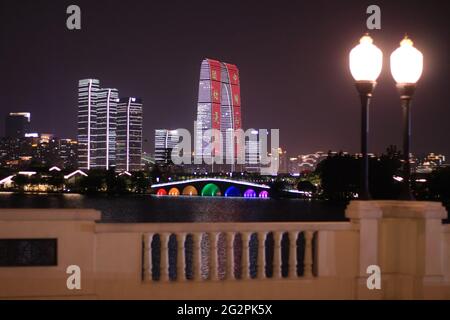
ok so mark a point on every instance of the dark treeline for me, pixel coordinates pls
(340, 175)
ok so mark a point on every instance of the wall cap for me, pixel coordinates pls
(376, 209)
(49, 215)
(359, 209)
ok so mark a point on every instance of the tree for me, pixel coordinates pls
(56, 180)
(140, 182)
(21, 181)
(439, 184)
(94, 182)
(306, 186)
(339, 176)
(276, 188)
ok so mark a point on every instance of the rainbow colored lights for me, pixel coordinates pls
(232, 192)
(212, 190)
(264, 194)
(250, 193)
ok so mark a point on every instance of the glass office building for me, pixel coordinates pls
(87, 122)
(219, 107)
(129, 134)
(105, 146)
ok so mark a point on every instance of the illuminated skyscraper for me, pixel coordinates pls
(129, 134)
(166, 141)
(87, 120)
(105, 146)
(17, 124)
(252, 149)
(219, 107)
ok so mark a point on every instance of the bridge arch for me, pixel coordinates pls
(211, 190)
(250, 193)
(190, 190)
(161, 192)
(264, 194)
(174, 192)
(232, 191)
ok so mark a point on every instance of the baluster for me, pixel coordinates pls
(214, 257)
(164, 256)
(261, 272)
(196, 256)
(147, 258)
(308, 260)
(277, 236)
(230, 256)
(181, 271)
(245, 256)
(293, 254)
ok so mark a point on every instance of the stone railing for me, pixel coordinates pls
(446, 251)
(285, 260)
(232, 251)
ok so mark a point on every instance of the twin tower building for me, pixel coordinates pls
(109, 128)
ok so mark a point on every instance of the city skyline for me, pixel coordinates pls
(280, 77)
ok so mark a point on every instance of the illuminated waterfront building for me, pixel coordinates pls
(166, 142)
(129, 134)
(252, 152)
(219, 108)
(105, 145)
(68, 153)
(87, 120)
(97, 121)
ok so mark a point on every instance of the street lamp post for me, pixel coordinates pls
(365, 66)
(406, 68)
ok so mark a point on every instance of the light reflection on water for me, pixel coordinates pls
(146, 208)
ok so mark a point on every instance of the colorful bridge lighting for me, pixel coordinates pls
(264, 194)
(174, 192)
(190, 191)
(232, 192)
(161, 192)
(250, 193)
(211, 190)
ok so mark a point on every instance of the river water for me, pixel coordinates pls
(147, 208)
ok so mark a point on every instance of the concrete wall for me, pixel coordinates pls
(75, 231)
(406, 239)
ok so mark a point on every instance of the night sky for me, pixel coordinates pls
(292, 56)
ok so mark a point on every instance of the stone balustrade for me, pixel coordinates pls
(284, 260)
(243, 255)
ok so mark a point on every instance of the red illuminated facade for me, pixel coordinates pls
(219, 107)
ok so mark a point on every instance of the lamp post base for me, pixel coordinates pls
(406, 91)
(365, 89)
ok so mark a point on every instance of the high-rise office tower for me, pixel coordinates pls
(129, 134)
(219, 107)
(252, 150)
(87, 122)
(68, 153)
(166, 142)
(17, 124)
(105, 144)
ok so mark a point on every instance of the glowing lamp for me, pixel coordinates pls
(406, 63)
(366, 60)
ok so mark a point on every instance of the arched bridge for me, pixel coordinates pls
(211, 187)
